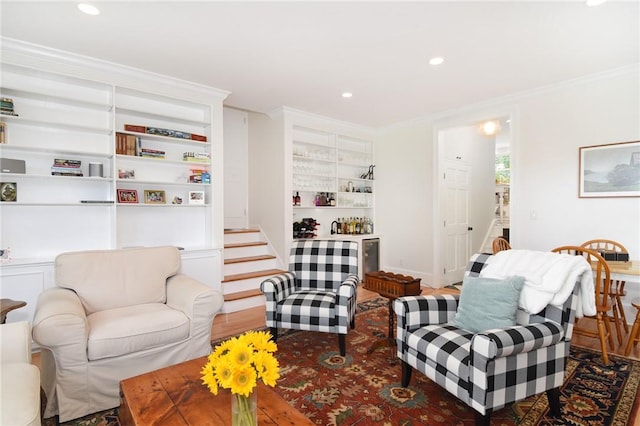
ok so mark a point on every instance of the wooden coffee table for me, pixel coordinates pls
(176, 396)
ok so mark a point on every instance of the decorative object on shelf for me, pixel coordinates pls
(368, 174)
(96, 169)
(353, 226)
(6, 106)
(66, 167)
(196, 197)
(176, 200)
(11, 165)
(296, 199)
(236, 364)
(129, 196)
(126, 174)
(3, 132)
(8, 191)
(611, 170)
(154, 196)
(5, 255)
(164, 132)
(306, 228)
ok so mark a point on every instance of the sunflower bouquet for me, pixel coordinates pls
(237, 364)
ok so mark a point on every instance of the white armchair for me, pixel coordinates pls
(20, 382)
(115, 314)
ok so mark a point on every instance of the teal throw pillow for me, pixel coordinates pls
(487, 303)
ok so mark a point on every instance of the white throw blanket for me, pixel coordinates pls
(549, 278)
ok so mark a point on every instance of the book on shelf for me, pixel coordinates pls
(127, 144)
(164, 132)
(196, 157)
(63, 162)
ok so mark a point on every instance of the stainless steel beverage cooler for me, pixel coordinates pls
(370, 256)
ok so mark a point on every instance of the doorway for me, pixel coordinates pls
(467, 195)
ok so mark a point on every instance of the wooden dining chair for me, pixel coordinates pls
(602, 283)
(500, 244)
(617, 286)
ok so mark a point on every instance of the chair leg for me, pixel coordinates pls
(616, 320)
(601, 334)
(553, 395)
(634, 336)
(353, 323)
(343, 344)
(483, 419)
(274, 333)
(406, 374)
(623, 316)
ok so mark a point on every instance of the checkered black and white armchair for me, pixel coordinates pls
(319, 291)
(489, 369)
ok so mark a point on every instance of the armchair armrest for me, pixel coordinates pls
(60, 322)
(278, 287)
(15, 342)
(348, 287)
(192, 297)
(417, 311)
(498, 343)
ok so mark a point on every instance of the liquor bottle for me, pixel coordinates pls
(339, 230)
(296, 199)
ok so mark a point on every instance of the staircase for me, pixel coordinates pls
(248, 260)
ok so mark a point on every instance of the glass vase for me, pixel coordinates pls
(244, 409)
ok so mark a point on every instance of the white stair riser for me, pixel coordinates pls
(242, 285)
(242, 304)
(232, 253)
(244, 267)
(244, 237)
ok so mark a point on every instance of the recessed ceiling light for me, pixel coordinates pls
(436, 60)
(595, 2)
(347, 95)
(88, 9)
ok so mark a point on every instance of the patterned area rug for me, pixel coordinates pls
(364, 389)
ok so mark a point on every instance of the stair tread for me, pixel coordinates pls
(254, 274)
(240, 231)
(249, 259)
(242, 295)
(249, 244)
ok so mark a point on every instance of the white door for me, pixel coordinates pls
(456, 233)
(236, 169)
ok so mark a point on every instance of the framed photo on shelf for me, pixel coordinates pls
(8, 191)
(126, 174)
(128, 196)
(196, 197)
(152, 196)
(611, 170)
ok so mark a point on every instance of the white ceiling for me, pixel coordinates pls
(305, 54)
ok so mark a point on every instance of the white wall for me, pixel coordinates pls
(548, 127)
(266, 178)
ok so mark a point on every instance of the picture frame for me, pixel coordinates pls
(9, 192)
(610, 170)
(127, 196)
(196, 197)
(126, 174)
(154, 196)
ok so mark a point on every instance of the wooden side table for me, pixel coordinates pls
(391, 286)
(8, 305)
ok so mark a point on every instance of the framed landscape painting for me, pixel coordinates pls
(611, 170)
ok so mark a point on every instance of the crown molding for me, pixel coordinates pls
(511, 99)
(29, 54)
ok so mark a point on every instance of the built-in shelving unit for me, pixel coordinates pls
(330, 175)
(73, 108)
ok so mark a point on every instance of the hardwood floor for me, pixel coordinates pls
(226, 325)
